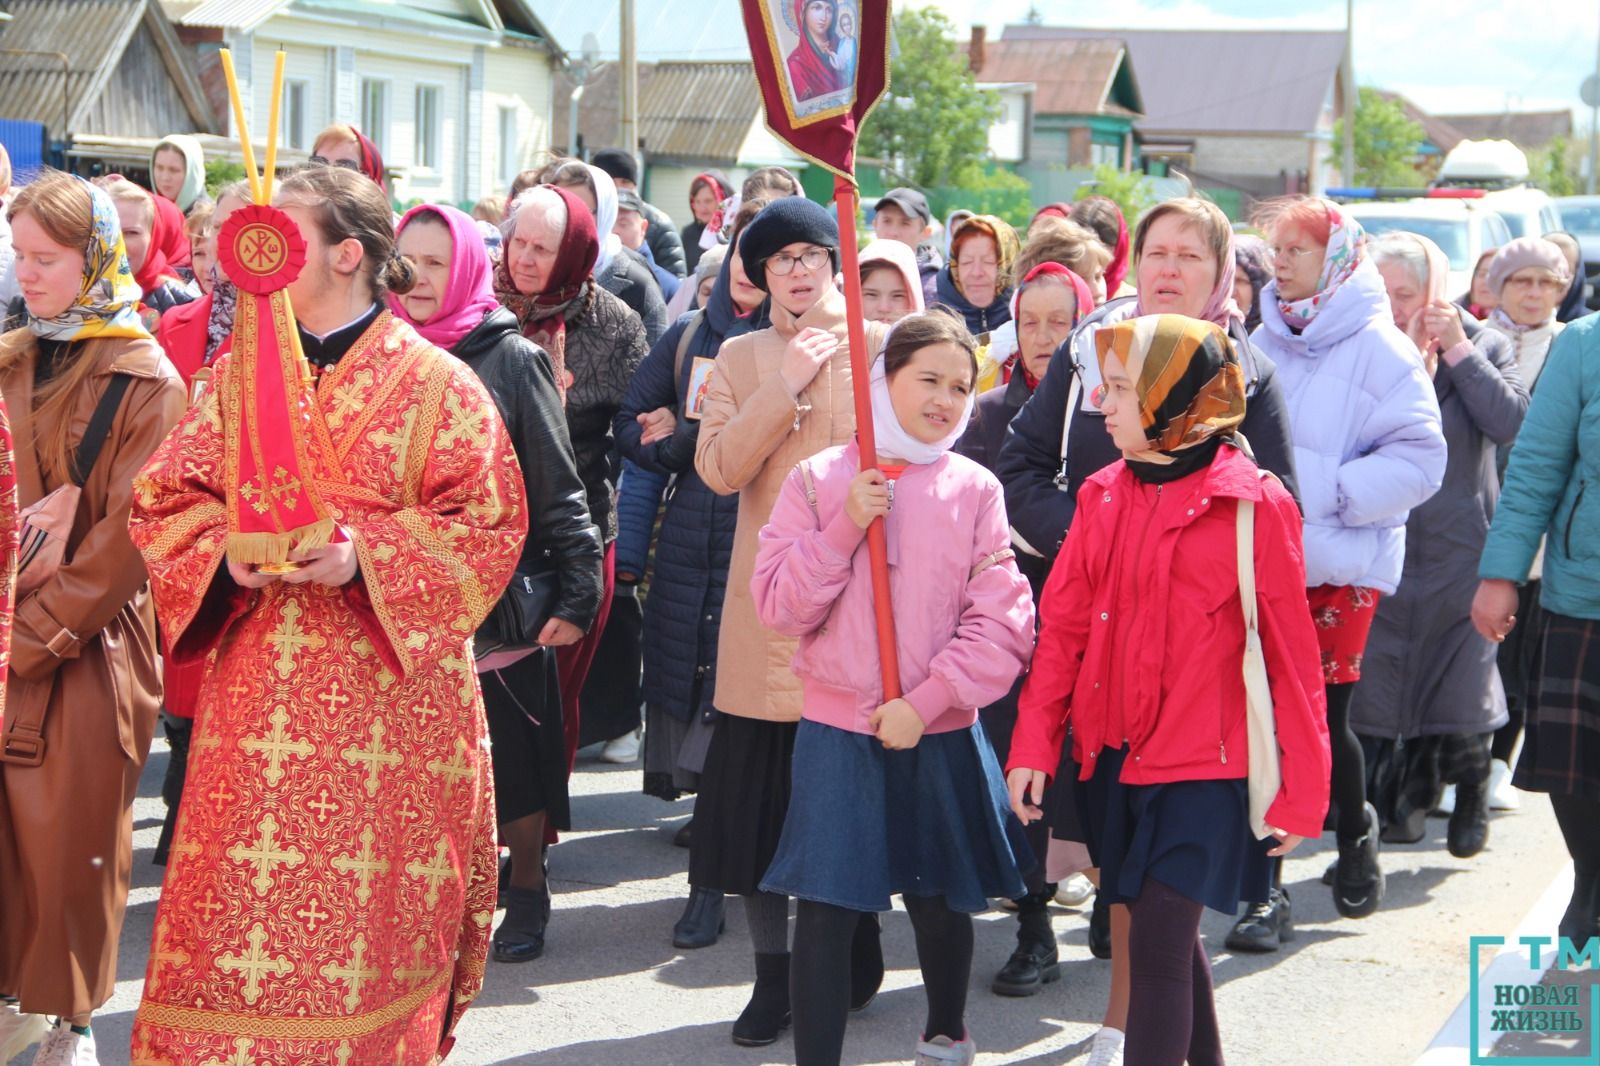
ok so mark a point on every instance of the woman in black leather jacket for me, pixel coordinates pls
(453, 305)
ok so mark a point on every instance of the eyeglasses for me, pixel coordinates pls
(1546, 283)
(783, 263)
(1294, 252)
(324, 161)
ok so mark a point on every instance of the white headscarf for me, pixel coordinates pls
(891, 437)
(605, 218)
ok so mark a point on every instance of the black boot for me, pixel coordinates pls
(1358, 879)
(1036, 962)
(505, 880)
(1265, 926)
(1410, 829)
(866, 962)
(1582, 919)
(1100, 928)
(702, 921)
(767, 1013)
(520, 937)
(681, 838)
(1468, 830)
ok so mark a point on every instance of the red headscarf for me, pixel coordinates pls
(1082, 301)
(1055, 210)
(543, 314)
(1117, 270)
(169, 247)
(371, 159)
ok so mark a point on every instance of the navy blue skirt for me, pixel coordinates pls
(1192, 836)
(866, 823)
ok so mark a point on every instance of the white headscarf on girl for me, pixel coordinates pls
(605, 218)
(891, 437)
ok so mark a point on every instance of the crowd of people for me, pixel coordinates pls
(1200, 544)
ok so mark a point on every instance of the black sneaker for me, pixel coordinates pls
(1265, 926)
(1358, 880)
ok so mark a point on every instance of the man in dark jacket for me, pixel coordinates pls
(666, 246)
(903, 215)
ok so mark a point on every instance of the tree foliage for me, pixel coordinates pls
(931, 128)
(1130, 190)
(1553, 168)
(1386, 142)
(220, 172)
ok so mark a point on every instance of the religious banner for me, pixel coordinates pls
(821, 65)
(273, 506)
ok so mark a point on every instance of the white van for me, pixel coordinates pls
(1463, 229)
(1501, 168)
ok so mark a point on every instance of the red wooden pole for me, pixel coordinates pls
(844, 198)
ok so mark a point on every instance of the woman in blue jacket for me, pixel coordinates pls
(1552, 494)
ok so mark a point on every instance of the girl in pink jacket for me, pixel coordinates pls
(905, 796)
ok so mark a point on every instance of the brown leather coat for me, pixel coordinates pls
(84, 644)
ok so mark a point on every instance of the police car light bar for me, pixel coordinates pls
(1370, 192)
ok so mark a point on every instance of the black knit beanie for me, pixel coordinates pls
(791, 220)
(618, 164)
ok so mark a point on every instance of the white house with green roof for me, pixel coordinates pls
(456, 93)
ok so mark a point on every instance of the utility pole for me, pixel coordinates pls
(630, 82)
(1351, 93)
(1594, 119)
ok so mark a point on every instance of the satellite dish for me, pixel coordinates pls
(591, 49)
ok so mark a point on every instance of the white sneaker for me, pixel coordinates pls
(624, 749)
(1075, 891)
(18, 1031)
(63, 1047)
(1107, 1048)
(1447, 802)
(942, 1051)
(1503, 795)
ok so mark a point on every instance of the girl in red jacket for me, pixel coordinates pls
(1142, 650)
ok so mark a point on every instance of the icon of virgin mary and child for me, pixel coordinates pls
(824, 62)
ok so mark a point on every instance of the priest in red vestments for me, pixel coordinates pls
(332, 881)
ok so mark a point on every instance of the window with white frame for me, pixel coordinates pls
(375, 111)
(427, 127)
(510, 150)
(293, 133)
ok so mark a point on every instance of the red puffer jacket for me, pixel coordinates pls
(1175, 661)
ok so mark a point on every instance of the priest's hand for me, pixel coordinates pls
(558, 633)
(247, 578)
(333, 564)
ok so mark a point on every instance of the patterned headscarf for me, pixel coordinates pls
(1006, 246)
(1189, 387)
(108, 298)
(224, 303)
(543, 315)
(1347, 247)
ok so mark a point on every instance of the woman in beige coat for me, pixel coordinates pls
(777, 396)
(83, 690)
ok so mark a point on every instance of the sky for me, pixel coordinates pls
(1446, 55)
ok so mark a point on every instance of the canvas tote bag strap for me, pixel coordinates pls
(1265, 772)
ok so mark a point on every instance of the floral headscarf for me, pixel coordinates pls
(1189, 385)
(543, 315)
(1347, 247)
(108, 298)
(1006, 247)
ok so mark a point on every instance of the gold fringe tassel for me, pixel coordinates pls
(272, 549)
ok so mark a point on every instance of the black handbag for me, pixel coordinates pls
(522, 611)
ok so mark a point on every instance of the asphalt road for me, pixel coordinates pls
(612, 991)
